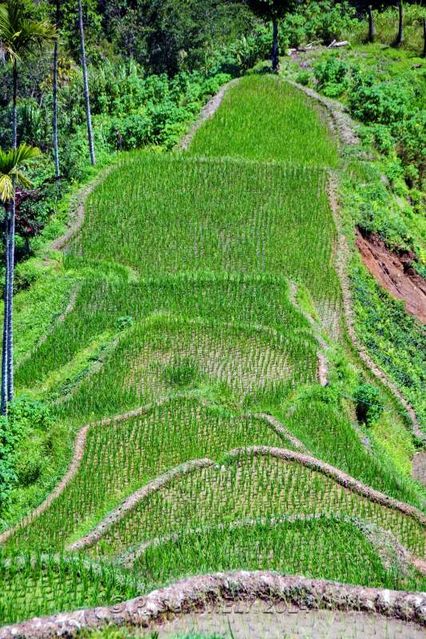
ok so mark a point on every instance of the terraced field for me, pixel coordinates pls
(201, 363)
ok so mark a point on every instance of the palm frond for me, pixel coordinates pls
(20, 178)
(12, 165)
(6, 188)
(20, 33)
(6, 34)
(24, 154)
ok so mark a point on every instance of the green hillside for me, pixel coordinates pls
(206, 355)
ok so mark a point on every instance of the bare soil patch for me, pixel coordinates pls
(419, 466)
(395, 272)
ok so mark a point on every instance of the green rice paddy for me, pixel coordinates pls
(205, 289)
(334, 548)
(273, 123)
(249, 487)
(37, 585)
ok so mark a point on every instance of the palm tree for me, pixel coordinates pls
(12, 174)
(86, 84)
(20, 35)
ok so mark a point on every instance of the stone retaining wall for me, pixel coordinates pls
(204, 591)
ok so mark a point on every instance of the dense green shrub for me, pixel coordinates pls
(129, 132)
(411, 146)
(26, 421)
(318, 21)
(241, 55)
(332, 75)
(383, 103)
(368, 404)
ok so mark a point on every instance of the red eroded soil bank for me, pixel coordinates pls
(394, 272)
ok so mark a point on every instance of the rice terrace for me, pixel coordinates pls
(213, 412)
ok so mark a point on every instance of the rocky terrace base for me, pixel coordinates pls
(210, 592)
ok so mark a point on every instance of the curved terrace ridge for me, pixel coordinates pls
(81, 438)
(205, 591)
(136, 497)
(345, 480)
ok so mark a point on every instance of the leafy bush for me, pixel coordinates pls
(303, 78)
(18, 462)
(411, 145)
(324, 21)
(243, 54)
(332, 75)
(383, 103)
(26, 274)
(381, 136)
(368, 404)
(130, 132)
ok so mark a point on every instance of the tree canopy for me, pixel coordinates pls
(270, 9)
(20, 31)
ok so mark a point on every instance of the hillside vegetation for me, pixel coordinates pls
(200, 342)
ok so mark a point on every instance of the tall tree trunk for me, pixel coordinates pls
(7, 343)
(400, 35)
(424, 37)
(55, 99)
(86, 84)
(9, 333)
(3, 407)
(275, 47)
(371, 25)
(15, 105)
